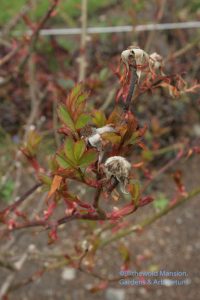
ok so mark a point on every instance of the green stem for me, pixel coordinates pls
(168, 149)
(150, 220)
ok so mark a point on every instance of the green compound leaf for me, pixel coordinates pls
(79, 149)
(76, 90)
(77, 95)
(82, 121)
(65, 117)
(62, 162)
(33, 141)
(89, 157)
(69, 152)
(81, 98)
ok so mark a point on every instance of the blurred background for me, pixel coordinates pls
(38, 71)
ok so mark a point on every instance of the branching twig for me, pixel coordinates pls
(36, 33)
(183, 50)
(9, 26)
(151, 220)
(32, 44)
(10, 55)
(82, 58)
(13, 206)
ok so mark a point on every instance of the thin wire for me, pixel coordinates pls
(114, 29)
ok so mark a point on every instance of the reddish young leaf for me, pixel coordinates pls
(66, 172)
(134, 189)
(11, 224)
(55, 185)
(145, 200)
(76, 101)
(178, 180)
(126, 210)
(32, 143)
(138, 165)
(50, 210)
(53, 236)
(71, 207)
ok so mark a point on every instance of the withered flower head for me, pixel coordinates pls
(156, 61)
(137, 55)
(94, 136)
(119, 168)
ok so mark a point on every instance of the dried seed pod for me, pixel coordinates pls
(107, 128)
(156, 61)
(136, 57)
(87, 131)
(95, 139)
(119, 168)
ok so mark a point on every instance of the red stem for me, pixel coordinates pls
(21, 199)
